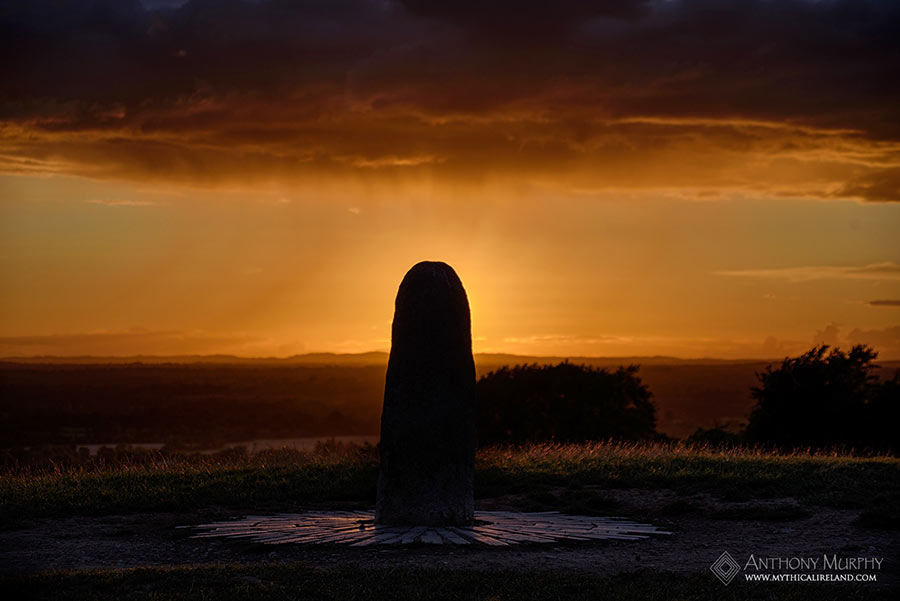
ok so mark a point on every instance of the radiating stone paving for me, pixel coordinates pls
(358, 529)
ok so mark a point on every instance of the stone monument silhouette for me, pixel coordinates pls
(424, 493)
(428, 420)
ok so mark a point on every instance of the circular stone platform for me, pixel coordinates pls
(357, 529)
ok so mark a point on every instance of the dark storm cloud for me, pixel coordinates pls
(115, 50)
(531, 20)
(158, 4)
(472, 85)
(876, 185)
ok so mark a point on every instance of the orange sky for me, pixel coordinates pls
(628, 179)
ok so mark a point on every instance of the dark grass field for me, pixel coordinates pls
(282, 480)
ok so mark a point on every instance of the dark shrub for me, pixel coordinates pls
(825, 399)
(714, 437)
(883, 416)
(563, 403)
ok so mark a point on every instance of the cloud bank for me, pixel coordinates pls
(885, 270)
(136, 341)
(789, 98)
(885, 303)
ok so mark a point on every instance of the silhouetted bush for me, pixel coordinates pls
(563, 403)
(826, 399)
(715, 437)
(883, 416)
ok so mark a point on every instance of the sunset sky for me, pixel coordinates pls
(696, 178)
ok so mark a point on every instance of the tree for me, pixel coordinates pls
(824, 398)
(883, 416)
(563, 403)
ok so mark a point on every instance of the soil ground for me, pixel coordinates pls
(699, 534)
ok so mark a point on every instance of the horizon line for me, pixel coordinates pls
(182, 358)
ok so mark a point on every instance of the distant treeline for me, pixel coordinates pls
(209, 404)
(214, 404)
(206, 404)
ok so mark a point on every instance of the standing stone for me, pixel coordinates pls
(428, 420)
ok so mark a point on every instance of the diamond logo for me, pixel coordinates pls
(725, 568)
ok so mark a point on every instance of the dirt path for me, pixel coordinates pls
(696, 541)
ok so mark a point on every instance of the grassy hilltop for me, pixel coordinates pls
(289, 480)
(740, 487)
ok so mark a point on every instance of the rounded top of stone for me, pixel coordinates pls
(426, 274)
(431, 312)
(430, 267)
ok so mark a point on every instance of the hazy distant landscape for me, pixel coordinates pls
(211, 401)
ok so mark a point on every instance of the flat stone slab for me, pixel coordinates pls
(358, 529)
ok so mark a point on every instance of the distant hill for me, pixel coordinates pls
(336, 359)
(376, 358)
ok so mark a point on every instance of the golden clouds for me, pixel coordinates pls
(245, 142)
(884, 271)
(764, 98)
